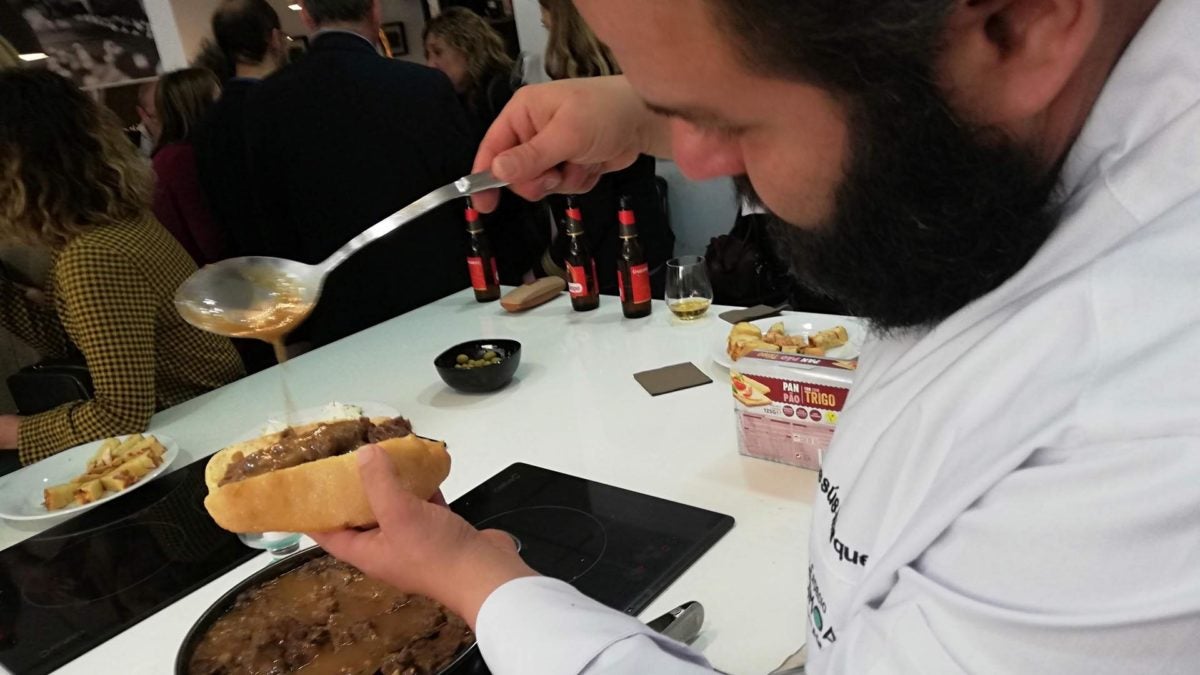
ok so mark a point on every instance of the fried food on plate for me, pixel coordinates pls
(114, 466)
(746, 337)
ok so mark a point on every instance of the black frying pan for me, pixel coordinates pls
(225, 603)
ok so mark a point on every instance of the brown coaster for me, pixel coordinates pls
(750, 313)
(672, 378)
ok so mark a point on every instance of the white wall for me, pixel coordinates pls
(530, 32)
(171, 52)
(193, 19)
(699, 211)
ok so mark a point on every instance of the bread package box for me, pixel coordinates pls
(787, 405)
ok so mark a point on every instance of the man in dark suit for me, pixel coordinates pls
(339, 141)
(248, 35)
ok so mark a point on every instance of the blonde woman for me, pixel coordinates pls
(71, 182)
(572, 49)
(461, 44)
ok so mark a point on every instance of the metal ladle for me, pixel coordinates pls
(265, 298)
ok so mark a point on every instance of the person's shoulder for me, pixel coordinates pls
(291, 77)
(415, 74)
(119, 240)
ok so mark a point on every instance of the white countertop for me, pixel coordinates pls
(574, 407)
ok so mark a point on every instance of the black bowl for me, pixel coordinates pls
(484, 379)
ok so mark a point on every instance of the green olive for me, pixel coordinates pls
(489, 355)
(462, 358)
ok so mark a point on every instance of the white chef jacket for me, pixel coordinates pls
(1018, 489)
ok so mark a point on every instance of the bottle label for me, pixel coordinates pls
(641, 283)
(479, 275)
(577, 280)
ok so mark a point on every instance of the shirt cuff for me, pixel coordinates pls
(544, 625)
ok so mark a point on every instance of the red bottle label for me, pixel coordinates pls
(479, 280)
(641, 283)
(577, 280)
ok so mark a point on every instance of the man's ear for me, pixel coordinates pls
(1004, 62)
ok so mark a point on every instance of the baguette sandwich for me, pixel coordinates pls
(305, 478)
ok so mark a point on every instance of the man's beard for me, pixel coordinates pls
(931, 214)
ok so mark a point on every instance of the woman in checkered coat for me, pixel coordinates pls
(71, 182)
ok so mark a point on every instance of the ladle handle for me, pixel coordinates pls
(462, 187)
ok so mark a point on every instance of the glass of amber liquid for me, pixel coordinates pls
(689, 292)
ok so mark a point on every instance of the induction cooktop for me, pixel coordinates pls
(619, 547)
(78, 584)
(83, 581)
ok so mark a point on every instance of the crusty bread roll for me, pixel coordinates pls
(317, 496)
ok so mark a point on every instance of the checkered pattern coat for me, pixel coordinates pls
(110, 295)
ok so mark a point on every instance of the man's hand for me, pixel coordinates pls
(562, 136)
(424, 548)
(10, 427)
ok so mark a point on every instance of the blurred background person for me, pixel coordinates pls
(342, 139)
(247, 38)
(71, 182)
(461, 44)
(574, 51)
(210, 57)
(149, 126)
(248, 35)
(184, 98)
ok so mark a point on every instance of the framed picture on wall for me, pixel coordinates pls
(394, 39)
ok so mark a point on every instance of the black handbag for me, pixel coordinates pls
(745, 271)
(50, 384)
(742, 268)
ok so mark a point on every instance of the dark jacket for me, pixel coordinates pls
(484, 103)
(221, 161)
(513, 227)
(181, 205)
(336, 143)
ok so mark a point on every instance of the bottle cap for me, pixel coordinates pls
(627, 218)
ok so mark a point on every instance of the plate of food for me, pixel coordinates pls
(819, 335)
(85, 476)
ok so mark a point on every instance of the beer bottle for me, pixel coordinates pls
(481, 262)
(633, 274)
(581, 265)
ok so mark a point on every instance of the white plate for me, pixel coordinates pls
(21, 491)
(797, 323)
(314, 414)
